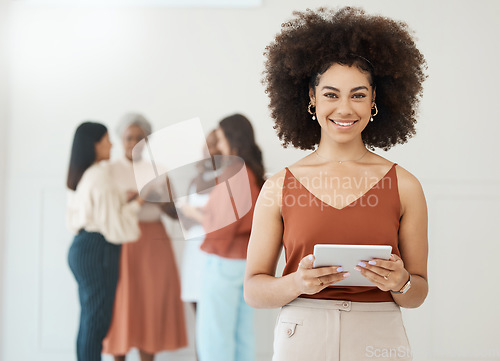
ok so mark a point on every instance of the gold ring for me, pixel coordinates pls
(387, 276)
(320, 282)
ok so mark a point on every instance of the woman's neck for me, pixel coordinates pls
(341, 152)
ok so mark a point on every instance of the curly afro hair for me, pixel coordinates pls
(314, 40)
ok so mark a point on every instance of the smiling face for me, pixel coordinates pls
(343, 98)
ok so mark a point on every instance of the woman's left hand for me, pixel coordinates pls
(387, 275)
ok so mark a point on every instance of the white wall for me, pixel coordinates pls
(70, 64)
(4, 115)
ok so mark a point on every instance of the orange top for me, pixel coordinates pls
(373, 219)
(233, 205)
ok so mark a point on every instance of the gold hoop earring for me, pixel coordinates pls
(376, 111)
(310, 111)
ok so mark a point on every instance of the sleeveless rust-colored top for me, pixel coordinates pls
(372, 219)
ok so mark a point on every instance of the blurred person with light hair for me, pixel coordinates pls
(148, 312)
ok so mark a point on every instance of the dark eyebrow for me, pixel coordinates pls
(352, 90)
(359, 88)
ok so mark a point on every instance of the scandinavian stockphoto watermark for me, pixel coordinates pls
(326, 190)
(168, 161)
(401, 352)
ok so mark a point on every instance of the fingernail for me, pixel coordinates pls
(347, 274)
(357, 268)
(340, 269)
(362, 264)
(373, 263)
(310, 257)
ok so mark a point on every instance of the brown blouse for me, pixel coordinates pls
(231, 205)
(372, 219)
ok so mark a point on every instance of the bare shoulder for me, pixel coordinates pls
(274, 184)
(269, 200)
(303, 165)
(378, 161)
(407, 182)
(276, 180)
(410, 190)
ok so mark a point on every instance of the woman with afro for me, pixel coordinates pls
(341, 83)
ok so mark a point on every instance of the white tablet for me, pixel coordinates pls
(348, 257)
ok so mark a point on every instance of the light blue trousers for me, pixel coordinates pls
(224, 322)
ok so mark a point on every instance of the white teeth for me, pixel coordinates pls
(343, 124)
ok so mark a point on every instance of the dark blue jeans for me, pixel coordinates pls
(95, 265)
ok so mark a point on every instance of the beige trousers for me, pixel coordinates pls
(331, 330)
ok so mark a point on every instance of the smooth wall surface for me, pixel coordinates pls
(69, 64)
(4, 117)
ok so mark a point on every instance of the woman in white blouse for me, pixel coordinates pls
(102, 218)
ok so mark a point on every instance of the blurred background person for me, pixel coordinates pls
(193, 258)
(224, 326)
(198, 193)
(148, 312)
(102, 218)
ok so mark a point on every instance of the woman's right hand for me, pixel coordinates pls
(311, 280)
